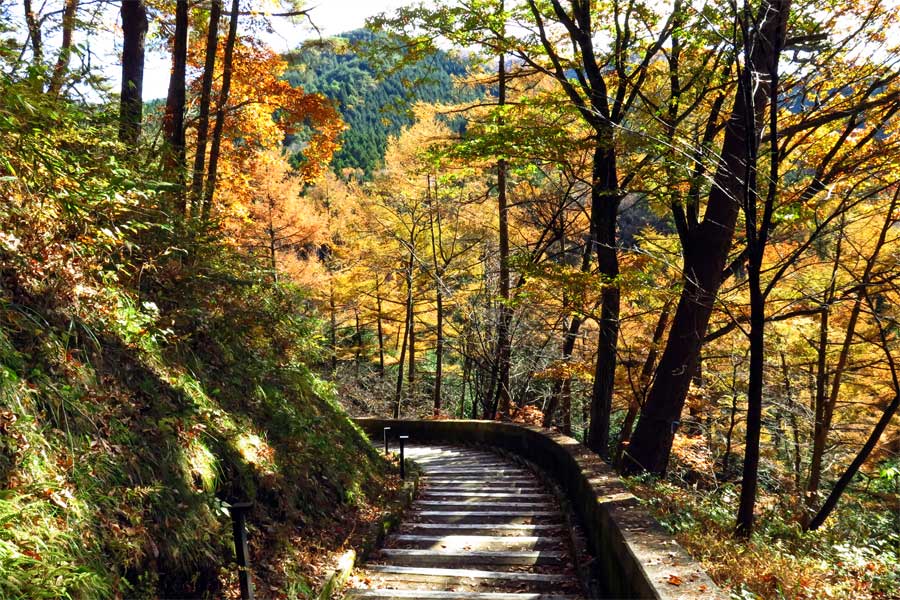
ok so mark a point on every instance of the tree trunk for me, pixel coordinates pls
(209, 67)
(411, 377)
(131, 102)
(439, 354)
(705, 252)
(789, 398)
(398, 392)
(643, 383)
(380, 326)
(436, 248)
(332, 307)
(757, 232)
(65, 49)
(467, 365)
(221, 108)
(605, 198)
(34, 34)
(173, 122)
(357, 343)
(503, 336)
(568, 346)
(883, 422)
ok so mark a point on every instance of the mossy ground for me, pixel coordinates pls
(123, 442)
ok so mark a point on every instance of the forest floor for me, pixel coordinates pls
(855, 555)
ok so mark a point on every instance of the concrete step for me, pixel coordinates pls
(491, 473)
(476, 542)
(470, 558)
(486, 503)
(445, 595)
(451, 492)
(499, 529)
(476, 577)
(486, 516)
(479, 481)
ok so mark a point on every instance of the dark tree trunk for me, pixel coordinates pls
(757, 232)
(227, 64)
(439, 354)
(505, 316)
(411, 377)
(65, 49)
(332, 308)
(858, 462)
(131, 104)
(706, 248)
(380, 325)
(173, 122)
(605, 200)
(407, 328)
(357, 344)
(209, 67)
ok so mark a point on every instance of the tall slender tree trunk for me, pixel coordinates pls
(357, 343)
(398, 392)
(757, 232)
(34, 34)
(436, 248)
(556, 397)
(131, 102)
(570, 337)
(605, 198)
(209, 67)
(411, 377)
(70, 10)
(380, 326)
(503, 334)
(173, 123)
(439, 355)
(332, 309)
(643, 383)
(705, 252)
(825, 412)
(889, 411)
(467, 366)
(221, 109)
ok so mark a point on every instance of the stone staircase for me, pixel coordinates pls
(482, 527)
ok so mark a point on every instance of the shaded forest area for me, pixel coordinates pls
(667, 230)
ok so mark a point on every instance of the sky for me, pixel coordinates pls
(330, 16)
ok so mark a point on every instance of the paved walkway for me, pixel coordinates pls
(483, 527)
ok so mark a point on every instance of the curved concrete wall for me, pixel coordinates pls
(634, 556)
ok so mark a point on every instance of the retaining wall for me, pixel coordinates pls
(634, 556)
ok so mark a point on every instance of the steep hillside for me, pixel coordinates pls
(149, 376)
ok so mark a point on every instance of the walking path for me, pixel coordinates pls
(483, 527)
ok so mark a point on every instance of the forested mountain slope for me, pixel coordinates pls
(373, 105)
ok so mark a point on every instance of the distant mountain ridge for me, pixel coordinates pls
(374, 108)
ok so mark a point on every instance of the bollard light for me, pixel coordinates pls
(386, 429)
(238, 512)
(402, 438)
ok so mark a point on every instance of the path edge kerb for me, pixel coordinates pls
(634, 556)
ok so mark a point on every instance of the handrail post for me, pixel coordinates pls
(386, 430)
(238, 512)
(402, 462)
